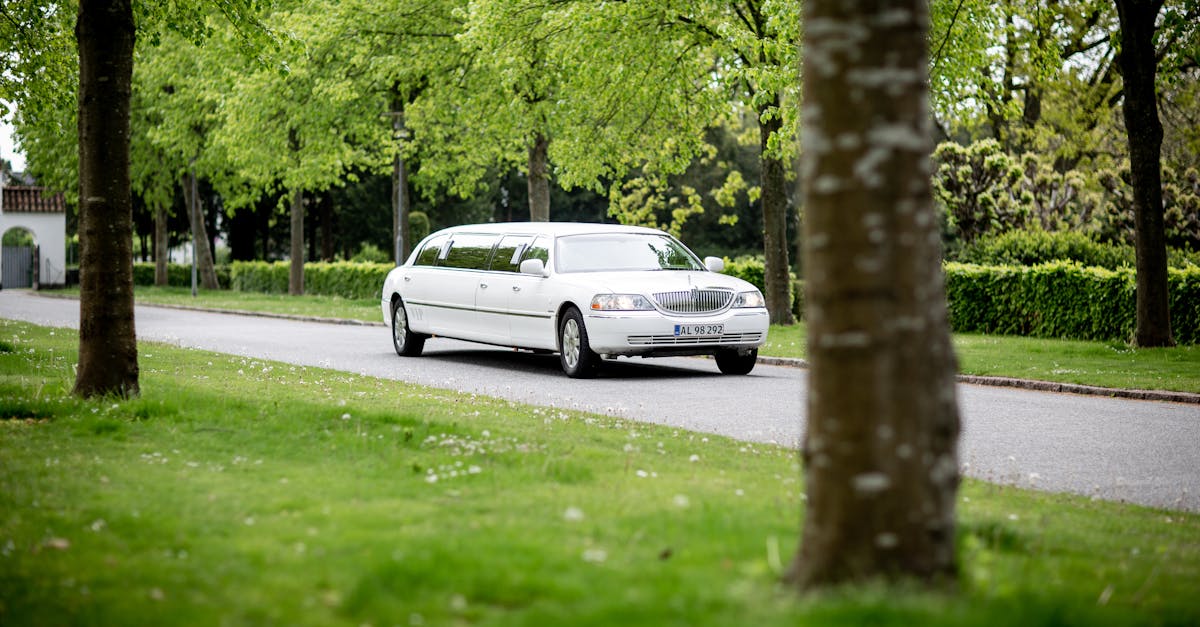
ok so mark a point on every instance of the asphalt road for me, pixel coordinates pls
(1122, 450)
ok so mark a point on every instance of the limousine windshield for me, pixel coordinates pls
(619, 252)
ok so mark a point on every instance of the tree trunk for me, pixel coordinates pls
(776, 270)
(296, 271)
(539, 180)
(401, 233)
(108, 362)
(880, 450)
(201, 249)
(160, 246)
(1144, 130)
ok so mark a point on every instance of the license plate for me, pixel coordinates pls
(699, 330)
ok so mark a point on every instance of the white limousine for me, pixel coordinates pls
(586, 291)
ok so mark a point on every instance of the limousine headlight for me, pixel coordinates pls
(750, 299)
(620, 302)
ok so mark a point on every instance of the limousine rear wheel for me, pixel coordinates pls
(575, 354)
(732, 361)
(407, 343)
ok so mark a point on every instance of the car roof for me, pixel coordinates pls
(547, 228)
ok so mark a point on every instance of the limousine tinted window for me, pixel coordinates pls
(540, 249)
(508, 253)
(469, 251)
(429, 254)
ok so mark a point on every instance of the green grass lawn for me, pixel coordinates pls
(316, 306)
(1104, 364)
(240, 491)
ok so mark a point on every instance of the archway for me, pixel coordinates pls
(43, 216)
(19, 265)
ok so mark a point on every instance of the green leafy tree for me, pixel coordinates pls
(756, 44)
(104, 35)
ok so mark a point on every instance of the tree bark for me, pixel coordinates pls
(777, 270)
(200, 241)
(160, 246)
(880, 449)
(401, 202)
(539, 180)
(296, 270)
(1144, 130)
(108, 364)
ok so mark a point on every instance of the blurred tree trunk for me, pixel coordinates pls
(108, 364)
(539, 180)
(776, 270)
(160, 246)
(880, 449)
(296, 269)
(200, 240)
(1139, 64)
(401, 202)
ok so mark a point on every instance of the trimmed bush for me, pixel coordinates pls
(347, 279)
(1063, 299)
(1035, 246)
(178, 274)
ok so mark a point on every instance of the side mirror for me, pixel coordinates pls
(536, 267)
(714, 264)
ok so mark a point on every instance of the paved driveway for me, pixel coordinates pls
(1137, 451)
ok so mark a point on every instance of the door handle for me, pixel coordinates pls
(516, 288)
(407, 279)
(483, 286)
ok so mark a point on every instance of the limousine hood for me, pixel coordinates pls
(654, 281)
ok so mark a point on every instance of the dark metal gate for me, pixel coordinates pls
(18, 267)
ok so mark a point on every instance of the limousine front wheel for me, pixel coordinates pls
(407, 343)
(575, 354)
(732, 361)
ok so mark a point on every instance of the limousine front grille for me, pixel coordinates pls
(694, 301)
(673, 340)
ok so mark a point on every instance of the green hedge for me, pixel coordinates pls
(178, 274)
(1063, 299)
(348, 279)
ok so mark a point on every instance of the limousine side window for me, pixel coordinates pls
(539, 249)
(429, 254)
(469, 251)
(508, 253)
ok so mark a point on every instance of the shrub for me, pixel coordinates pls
(178, 274)
(1035, 246)
(1063, 299)
(347, 279)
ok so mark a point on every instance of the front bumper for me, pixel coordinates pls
(653, 333)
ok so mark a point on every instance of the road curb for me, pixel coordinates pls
(1024, 384)
(1040, 386)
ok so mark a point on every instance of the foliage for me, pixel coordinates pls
(347, 279)
(418, 225)
(370, 253)
(1181, 205)
(1063, 299)
(975, 184)
(1028, 247)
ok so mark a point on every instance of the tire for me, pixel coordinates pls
(575, 354)
(406, 343)
(732, 361)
